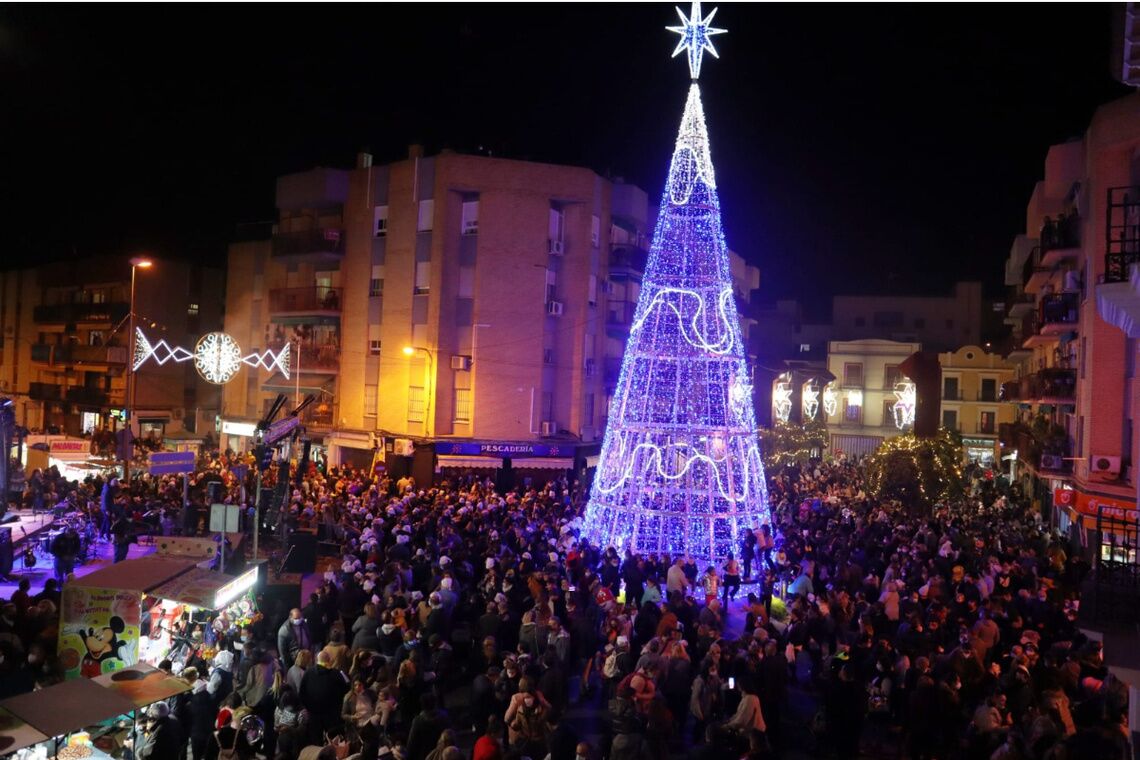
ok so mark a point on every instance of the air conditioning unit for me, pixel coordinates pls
(590, 367)
(549, 427)
(1052, 462)
(403, 447)
(555, 247)
(554, 308)
(461, 362)
(1104, 465)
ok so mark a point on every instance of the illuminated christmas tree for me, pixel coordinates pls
(680, 467)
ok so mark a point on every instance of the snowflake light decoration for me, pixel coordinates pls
(904, 406)
(217, 357)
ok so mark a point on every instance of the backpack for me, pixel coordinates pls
(610, 668)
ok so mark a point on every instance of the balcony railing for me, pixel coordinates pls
(45, 353)
(88, 396)
(325, 356)
(45, 391)
(952, 394)
(1053, 385)
(619, 317)
(80, 312)
(982, 429)
(41, 353)
(1122, 233)
(1059, 309)
(1110, 595)
(328, 241)
(628, 260)
(310, 299)
(1063, 232)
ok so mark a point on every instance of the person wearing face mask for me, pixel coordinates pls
(527, 723)
(293, 636)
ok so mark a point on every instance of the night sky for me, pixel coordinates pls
(858, 148)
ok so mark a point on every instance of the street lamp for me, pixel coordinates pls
(138, 262)
(411, 351)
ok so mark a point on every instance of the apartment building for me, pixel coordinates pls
(1076, 387)
(940, 323)
(64, 332)
(476, 307)
(972, 402)
(859, 403)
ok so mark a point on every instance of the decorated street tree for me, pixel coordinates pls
(917, 471)
(790, 443)
(680, 468)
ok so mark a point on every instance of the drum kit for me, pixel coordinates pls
(88, 539)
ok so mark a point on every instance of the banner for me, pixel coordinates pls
(99, 630)
(1087, 504)
(497, 449)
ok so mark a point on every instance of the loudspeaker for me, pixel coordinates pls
(283, 590)
(5, 551)
(302, 553)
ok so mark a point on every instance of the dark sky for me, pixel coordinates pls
(857, 147)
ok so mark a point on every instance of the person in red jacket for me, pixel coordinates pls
(489, 746)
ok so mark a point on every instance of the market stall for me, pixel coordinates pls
(78, 719)
(16, 734)
(143, 685)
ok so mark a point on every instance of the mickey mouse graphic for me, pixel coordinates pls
(102, 644)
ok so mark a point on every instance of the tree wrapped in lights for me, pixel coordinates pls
(680, 468)
(787, 443)
(917, 471)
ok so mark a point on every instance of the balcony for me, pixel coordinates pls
(1122, 233)
(628, 261)
(41, 353)
(70, 313)
(88, 396)
(322, 243)
(45, 392)
(318, 358)
(1060, 238)
(611, 369)
(75, 354)
(952, 394)
(990, 429)
(1049, 386)
(1057, 313)
(309, 300)
(619, 317)
(1010, 391)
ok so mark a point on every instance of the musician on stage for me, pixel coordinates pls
(65, 548)
(123, 535)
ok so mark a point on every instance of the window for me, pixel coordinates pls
(860, 321)
(463, 405)
(370, 396)
(95, 338)
(989, 389)
(853, 374)
(423, 278)
(595, 231)
(380, 221)
(548, 356)
(192, 310)
(950, 419)
(592, 290)
(557, 219)
(805, 348)
(424, 217)
(373, 347)
(588, 409)
(986, 422)
(551, 285)
(470, 223)
(888, 319)
(950, 390)
(888, 413)
(891, 376)
(98, 296)
(852, 412)
(376, 282)
(417, 401)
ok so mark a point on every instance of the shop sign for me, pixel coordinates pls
(496, 449)
(69, 448)
(172, 462)
(99, 630)
(246, 429)
(235, 588)
(1088, 504)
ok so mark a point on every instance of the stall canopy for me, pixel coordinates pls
(201, 588)
(543, 463)
(15, 733)
(68, 706)
(142, 684)
(142, 574)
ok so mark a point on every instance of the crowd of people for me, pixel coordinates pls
(465, 623)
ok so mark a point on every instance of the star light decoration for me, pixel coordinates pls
(830, 400)
(695, 34)
(782, 398)
(680, 468)
(810, 402)
(216, 355)
(904, 406)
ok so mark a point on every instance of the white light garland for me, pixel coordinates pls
(782, 398)
(809, 404)
(216, 356)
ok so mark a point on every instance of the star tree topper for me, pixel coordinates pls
(695, 33)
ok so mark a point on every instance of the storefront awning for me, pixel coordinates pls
(310, 381)
(450, 460)
(142, 574)
(69, 706)
(543, 463)
(206, 588)
(142, 684)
